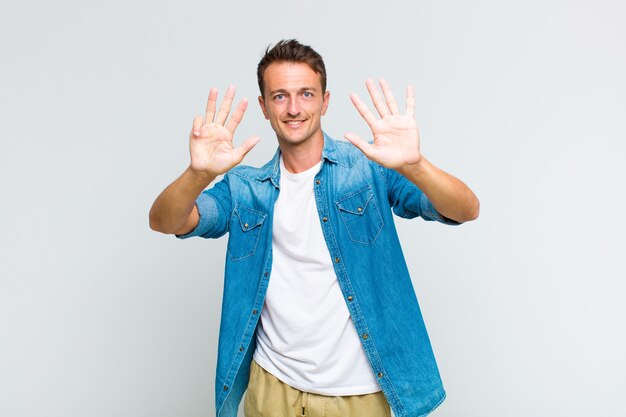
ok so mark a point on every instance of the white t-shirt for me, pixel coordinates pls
(306, 337)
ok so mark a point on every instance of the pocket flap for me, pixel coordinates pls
(248, 218)
(357, 202)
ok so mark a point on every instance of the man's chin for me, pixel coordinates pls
(291, 140)
(295, 138)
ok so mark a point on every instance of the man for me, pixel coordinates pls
(319, 316)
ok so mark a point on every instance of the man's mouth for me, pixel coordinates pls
(294, 123)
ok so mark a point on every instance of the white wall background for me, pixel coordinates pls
(525, 101)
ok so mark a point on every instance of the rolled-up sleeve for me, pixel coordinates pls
(408, 201)
(429, 212)
(214, 211)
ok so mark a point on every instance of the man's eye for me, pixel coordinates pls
(279, 96)
(308, 94)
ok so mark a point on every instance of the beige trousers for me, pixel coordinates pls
(267, 396)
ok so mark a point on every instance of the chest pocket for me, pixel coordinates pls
(361, 216)
(245, 230)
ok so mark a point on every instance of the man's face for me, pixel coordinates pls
(294, 102)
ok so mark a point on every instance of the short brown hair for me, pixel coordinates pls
(290, 50)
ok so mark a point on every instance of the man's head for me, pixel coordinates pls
(291, 50)
(292, 79)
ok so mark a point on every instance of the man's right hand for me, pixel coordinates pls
(211, 138)
(212, 153)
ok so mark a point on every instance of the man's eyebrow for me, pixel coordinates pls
(284, 91)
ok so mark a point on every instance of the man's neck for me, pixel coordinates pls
(299, 158)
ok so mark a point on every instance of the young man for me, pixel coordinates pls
(319, 316)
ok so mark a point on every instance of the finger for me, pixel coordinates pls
(364, 146)
(197, 125)
(379, 103)
(222, 113)
(246, 146)
(410, 101)
(235, 119)
(210, 106)
(391, 100)
(363, 110)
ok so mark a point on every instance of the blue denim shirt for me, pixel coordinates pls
(355, 198)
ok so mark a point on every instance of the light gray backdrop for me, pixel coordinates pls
(525, 101)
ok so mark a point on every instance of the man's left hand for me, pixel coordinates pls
(396, 137)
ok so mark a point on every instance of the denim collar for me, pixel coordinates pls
(271, 170)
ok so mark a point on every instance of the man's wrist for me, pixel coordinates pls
(200, 179)
(415, 170)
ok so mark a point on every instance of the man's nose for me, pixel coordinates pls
(293, 109)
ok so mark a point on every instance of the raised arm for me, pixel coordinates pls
(212, 153)
(396, 145)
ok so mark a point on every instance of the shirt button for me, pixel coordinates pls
(266, 274)
(225, 388)
(324, 219)
(337, 260)
(365, 336)
(380, 375)
(254, 311)
(245, 225)
(360, 209)
(318, 182)
(240, 349)
(349, 298)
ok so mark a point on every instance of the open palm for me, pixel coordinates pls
(396, 137)
(211, 139)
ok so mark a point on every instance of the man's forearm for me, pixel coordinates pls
(174, 209)
(450, 196)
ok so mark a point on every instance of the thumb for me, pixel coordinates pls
(246, 146)
(356, 140)
(197, 125)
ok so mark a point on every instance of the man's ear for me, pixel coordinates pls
(262, 104)
(326, 100)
